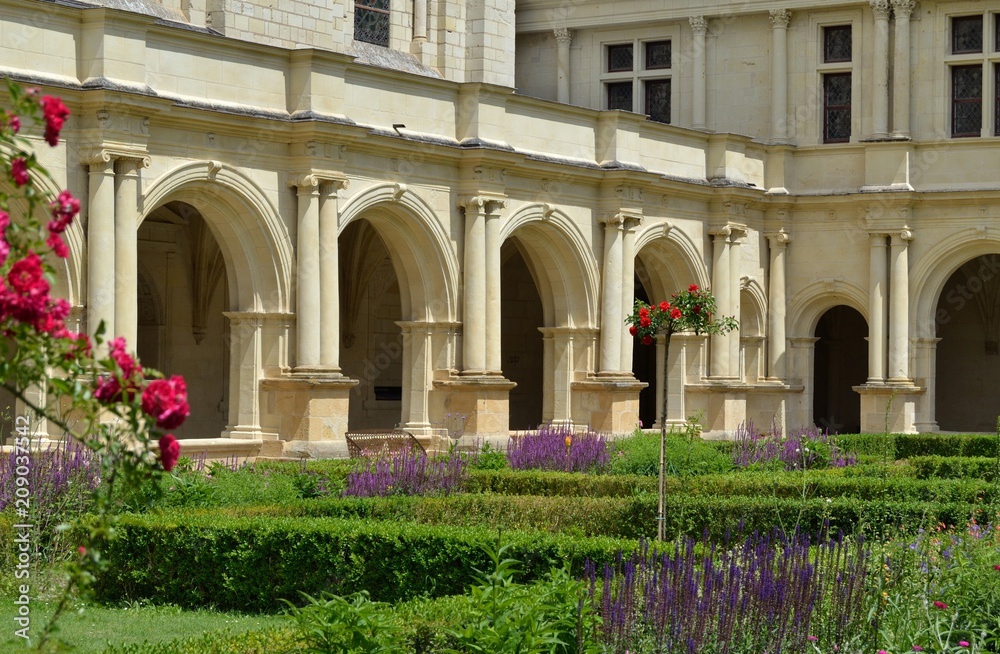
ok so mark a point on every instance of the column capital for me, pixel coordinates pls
(564, 36)
(903, 8)
(880, 8)
(725, 231)
(130, 165)
(699, 24)
(780, 18)
(99, 156)
(623, 219)
(779, 238)
(488, 204)
(904, 235)
(314, 180)
(877, 238)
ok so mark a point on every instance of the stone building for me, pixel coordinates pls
(333, 214)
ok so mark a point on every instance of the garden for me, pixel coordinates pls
(801, 543)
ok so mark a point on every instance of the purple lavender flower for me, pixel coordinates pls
(558, 448)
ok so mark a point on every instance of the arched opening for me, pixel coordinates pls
(521, 347)
(182, 293)
(968, 355)
(644, 359)
(751, 335)
(371, 344)
(841, 362)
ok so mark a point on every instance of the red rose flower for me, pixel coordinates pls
(165, 400)
(643, 312)
(55, 115)
(632, 330)
(696, 309)
(693, 288)
(13, 122)
(129, 366)
(170, 451)
(647, 340)
(940, 605)
(108, 390)
(664, 306)
(997, 568)
(58, 246)
(19, 171)
(675, 313)
(64, 209)
(644, 321)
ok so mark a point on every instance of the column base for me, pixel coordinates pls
(307, 407)
(891, 406)
(608, 402)
(480, 402)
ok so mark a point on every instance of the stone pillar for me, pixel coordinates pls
(307, 275)
(416, 376)
(899, 314)
(101, 246)
(475, 319)
(564, 38)
(779, 74)
(902, 9)
(880, 64)
(557, 395)
(493, 362)
(329, 277)
(245, 362)
(721, 287)
(877, 315)
(126, 244)
(612, 315)
(926, 363)
(699, 26)
(419, 20)
(737, 282)
(628, 286)
(776, 365)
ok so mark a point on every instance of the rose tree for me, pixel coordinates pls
(96, 392)
(692, 310)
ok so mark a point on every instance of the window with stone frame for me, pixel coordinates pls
(637, 77)
(836, 81)
(972, 77)
(371, 21)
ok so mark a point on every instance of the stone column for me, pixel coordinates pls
(475, 302)
(880, 63)
(737, 283)
(779, 74)
(126, 244)
(776, 366)
(101, 246)
(699, 26)
(564, 38)
(329, 277)
(877, 309)
(492, 239)
(419, 20)
(721, 287)
(416, 375)
(307, 275)
(612, 316)
(902, 9)
(899, 314)
(245, 362)
(628, 286)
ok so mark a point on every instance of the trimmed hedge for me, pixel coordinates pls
(955, 467)
(267, 641)
(906, 446)
(538, 482)
(250, 564)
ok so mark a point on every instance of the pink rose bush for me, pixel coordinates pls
(118, 407)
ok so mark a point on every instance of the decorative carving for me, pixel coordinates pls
(487, 204)
(210, 139)
(905, 235)
(698, 24)
(630, 193)
(491, 175)
(881, 9)
(398, 190)
(780, 18)
(903, 8)
(779, 239)
(724, 232)
(564, 36)
(214, 167)
(105, 156)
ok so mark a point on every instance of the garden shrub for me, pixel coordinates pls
(955, 467)
(639, 454)
(266, 641)
(536, 482)
(906, 446)
(251, 564)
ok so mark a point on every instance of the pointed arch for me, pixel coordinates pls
(561, 261)
(254, 240)
(420, 248)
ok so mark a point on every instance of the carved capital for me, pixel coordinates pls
(723, 232)
(130, 165)
(699, 24)
(881, 9)
(779, 239)
(903, 235)
(485, 204)
(318, 181)
(780, 18)
(564, 36)
(130, 159)
(903, 8)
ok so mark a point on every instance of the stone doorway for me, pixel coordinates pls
(521, 346)
(841, 362)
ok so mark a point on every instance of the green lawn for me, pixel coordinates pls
(90, 629)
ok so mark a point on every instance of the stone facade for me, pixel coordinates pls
(326, 234)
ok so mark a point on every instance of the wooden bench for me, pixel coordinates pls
(377, 442)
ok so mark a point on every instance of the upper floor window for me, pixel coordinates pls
(967, 100)
(637, 78)
(966, 34)
(837, 80)
(371, 21)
